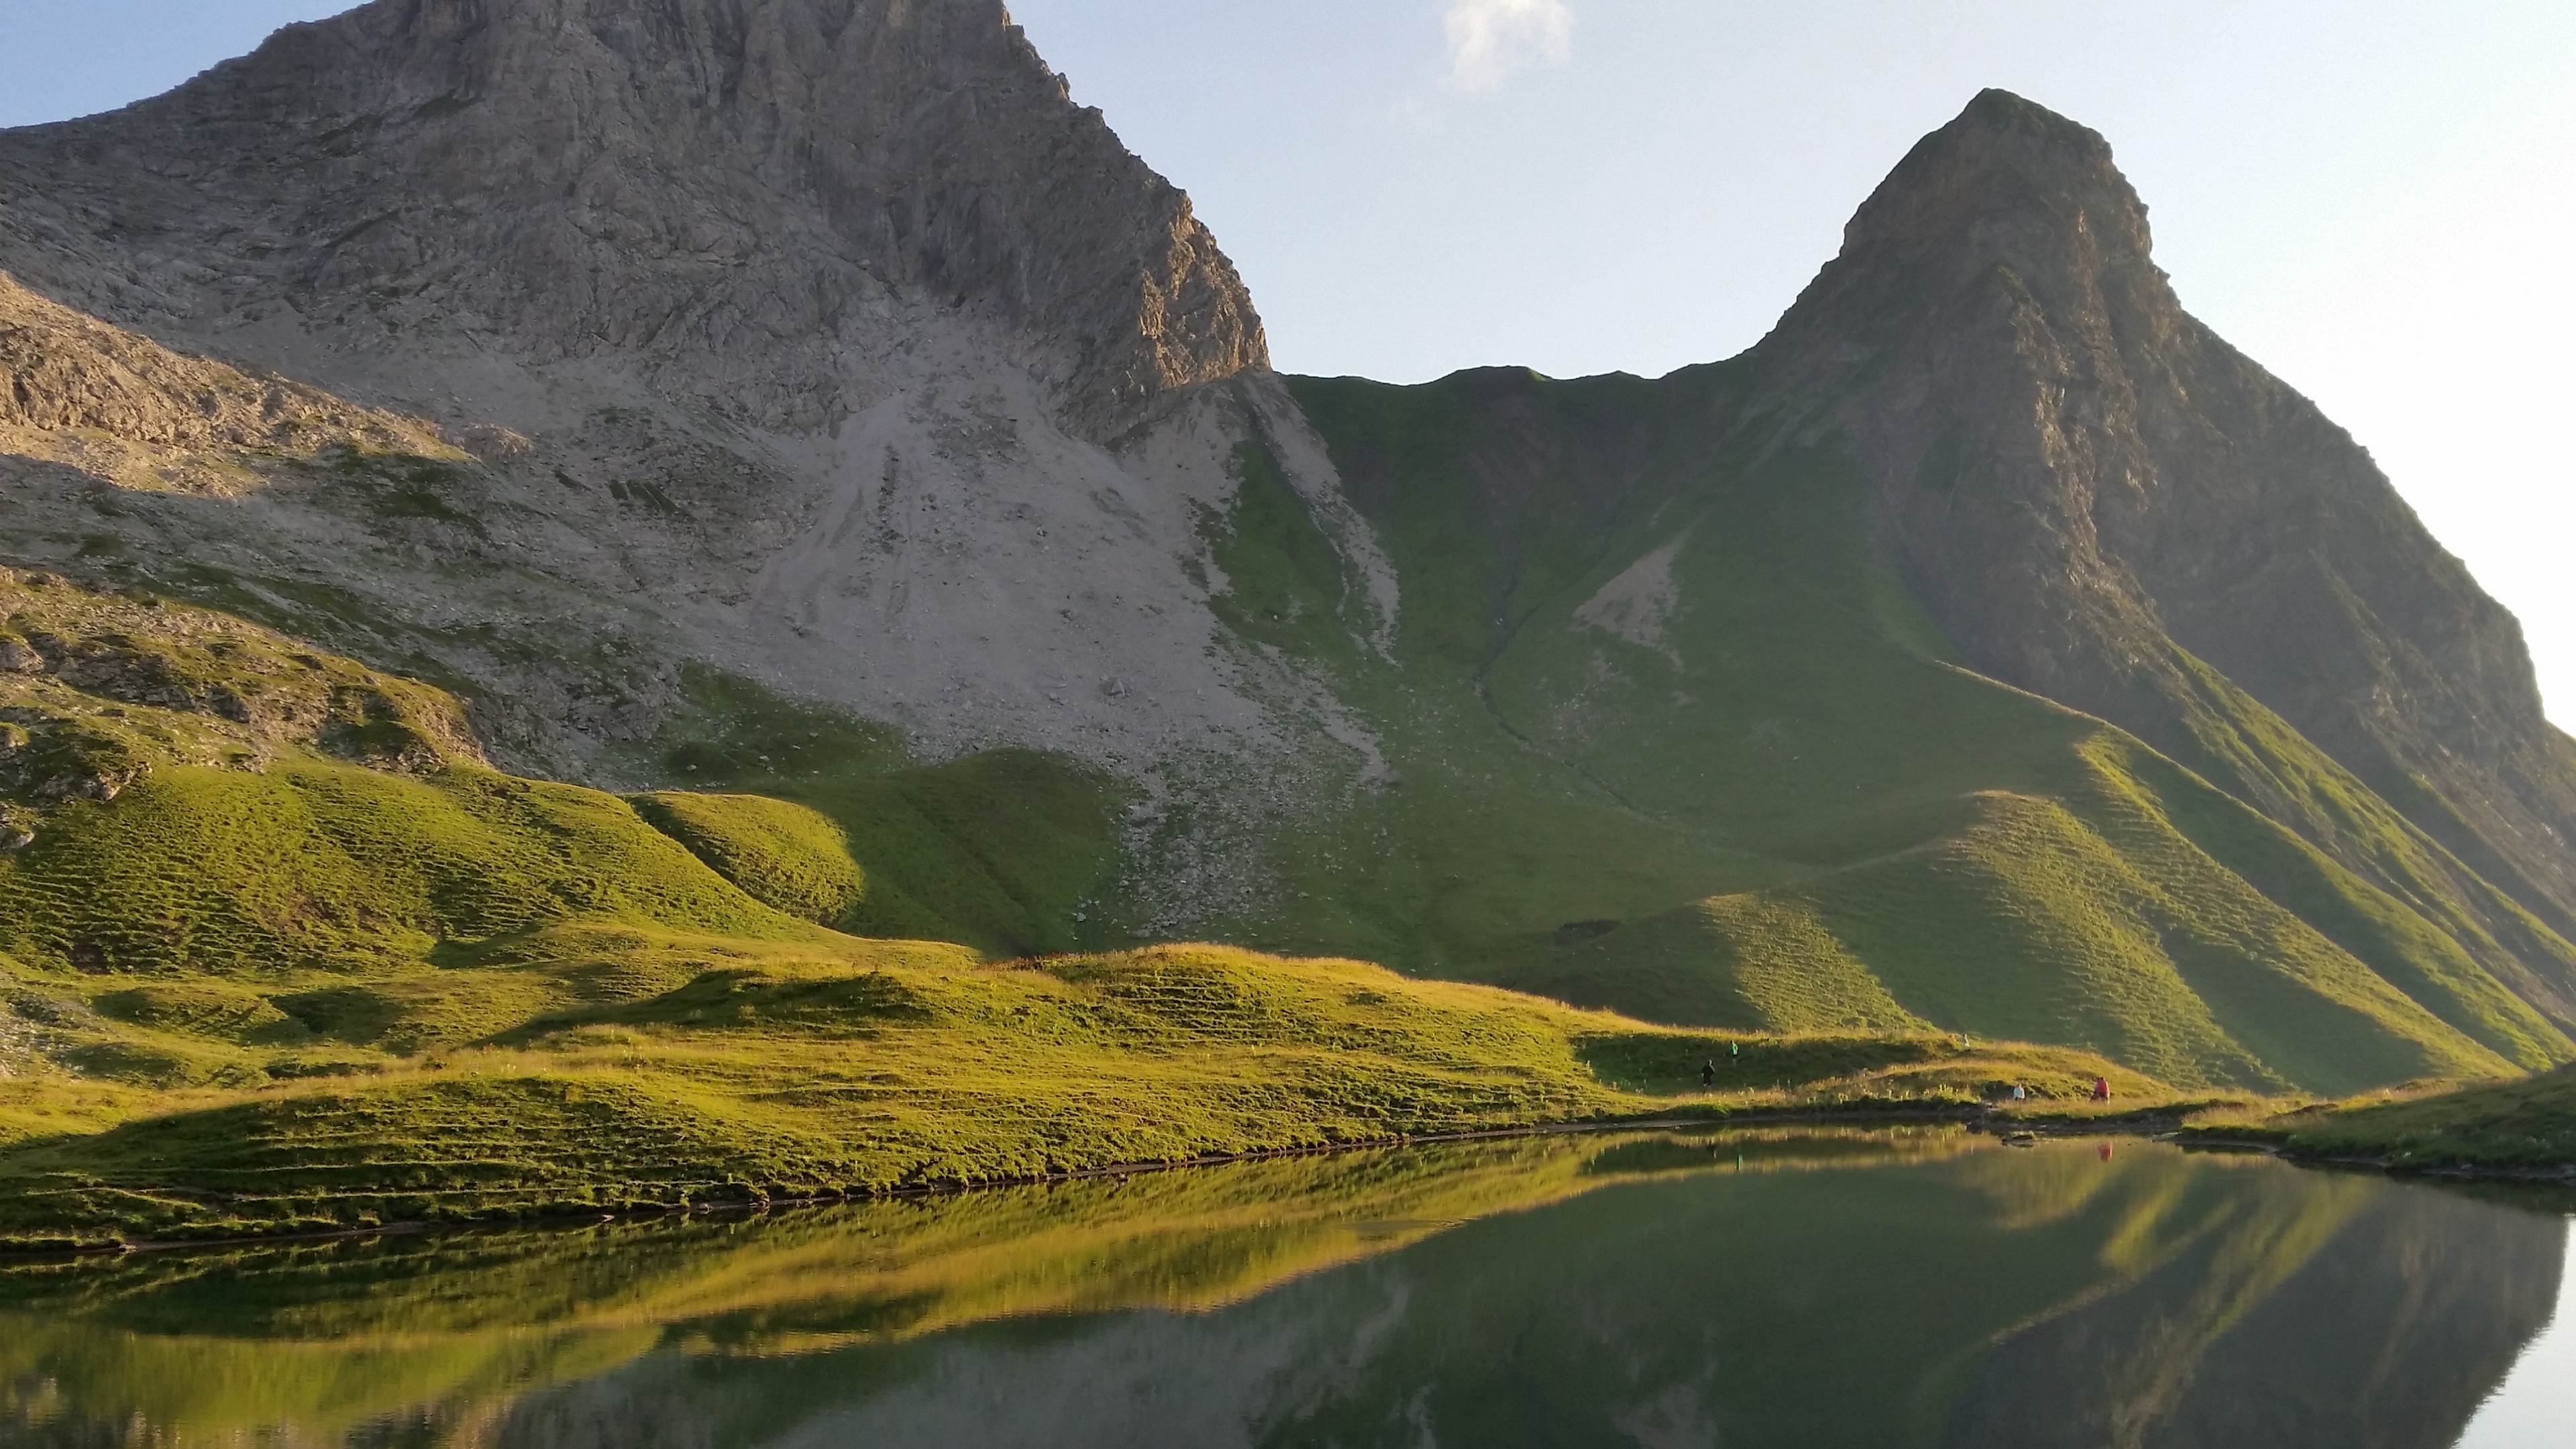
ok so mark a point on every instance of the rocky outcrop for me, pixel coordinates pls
(2075, 476)
(99, 690)
(105, 400)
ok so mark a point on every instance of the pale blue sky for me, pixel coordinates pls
(2374, 199)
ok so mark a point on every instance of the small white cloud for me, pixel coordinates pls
(1492, 40)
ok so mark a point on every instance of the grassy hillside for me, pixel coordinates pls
(281, 950)
(1009, 851)
(1670, 743)
(278, 949)
(612, 1069)
(2520, 1127)
(189, 795)
(2087, 917)
(1662, 740)
(200, 793)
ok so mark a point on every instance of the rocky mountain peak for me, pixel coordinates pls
(2001, 150)
(2006, 182)
(2009, 193)
(740, 189)
(2075, 476)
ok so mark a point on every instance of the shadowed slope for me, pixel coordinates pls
(1632, 587)
(2092, 494)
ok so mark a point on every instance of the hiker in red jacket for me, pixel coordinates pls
(2101, 1089)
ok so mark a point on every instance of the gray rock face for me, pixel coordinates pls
(92, 396)
(2071, 471)
(823, 341)
(730, 190)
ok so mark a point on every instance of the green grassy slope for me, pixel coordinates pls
(786, 856)
(591, 1069)
(1664, 743)
(2089, 918)
(2520, 1127)
(1007, 851)
(1671, 743)
(189, 795)
(241, 745)
(278, 949)
(321, 867)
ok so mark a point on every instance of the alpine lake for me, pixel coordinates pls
(1805, 1287)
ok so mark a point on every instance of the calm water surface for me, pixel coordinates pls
(1858, 1289)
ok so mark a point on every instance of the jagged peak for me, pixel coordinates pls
(1995, 111)
(2002, 155)
(2008, 195)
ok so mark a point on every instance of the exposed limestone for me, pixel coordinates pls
(129, 411)
(1639, 604)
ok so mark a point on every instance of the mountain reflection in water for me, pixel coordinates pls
(1923, 1288)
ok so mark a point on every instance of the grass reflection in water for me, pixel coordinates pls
(1920, 1287)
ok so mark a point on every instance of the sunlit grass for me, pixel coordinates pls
(592, 1069)
(2519, 1127)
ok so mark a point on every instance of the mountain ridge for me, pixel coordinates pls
(787, 398)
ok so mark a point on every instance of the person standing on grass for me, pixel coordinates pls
(1708, 1074)
(2101, 1089)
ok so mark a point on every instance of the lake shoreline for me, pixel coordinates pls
(2281, 1145)
(2000, 1121)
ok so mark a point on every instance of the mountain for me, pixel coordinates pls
(805, 401)
(784, 334)
(737, 193)
(2100, 501)
(1882, 604)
